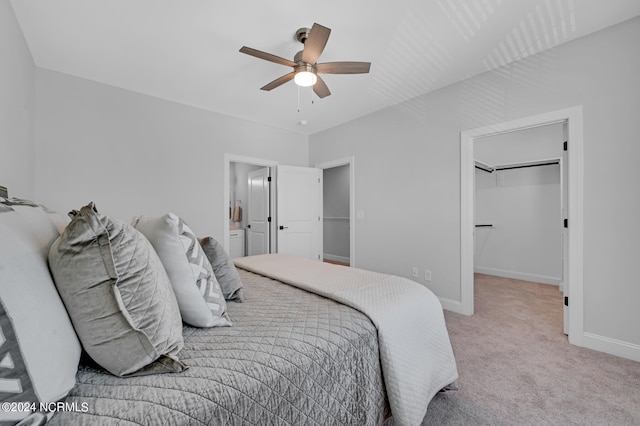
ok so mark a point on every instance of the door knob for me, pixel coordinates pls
(284, 227)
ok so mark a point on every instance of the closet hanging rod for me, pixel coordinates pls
(491, 169)
(522, 166)
(483, 167)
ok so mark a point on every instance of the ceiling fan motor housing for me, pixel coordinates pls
(302, 34)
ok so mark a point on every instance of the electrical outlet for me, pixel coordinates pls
(414, 272)
(427, 275)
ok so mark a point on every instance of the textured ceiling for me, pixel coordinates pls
(187, 51)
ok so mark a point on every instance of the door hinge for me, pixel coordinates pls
(268, 178)
(566, 301)
(565, 145)
(269, 219)
(566, 223)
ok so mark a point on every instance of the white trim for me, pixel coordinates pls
(450, 304)
(231, 158)
(573, 117)
(524, 276)
(611, 346)
(335, 258)
(351, 162)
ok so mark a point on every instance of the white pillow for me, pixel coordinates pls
(199, 296)
(39, 350)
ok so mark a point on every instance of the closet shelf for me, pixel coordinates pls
(335, 218)
(490, 169)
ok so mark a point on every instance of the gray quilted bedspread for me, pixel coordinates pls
(290, 358)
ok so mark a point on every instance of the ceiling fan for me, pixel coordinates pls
(305, 67)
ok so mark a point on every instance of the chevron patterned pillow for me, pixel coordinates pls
(199, 296)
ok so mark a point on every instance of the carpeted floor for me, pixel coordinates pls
(517, 368)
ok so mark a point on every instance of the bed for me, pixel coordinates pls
(292, 357)
(312, 343)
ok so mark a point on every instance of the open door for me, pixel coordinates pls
(258, 216)
(299, 201)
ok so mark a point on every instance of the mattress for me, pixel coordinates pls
(290, 358)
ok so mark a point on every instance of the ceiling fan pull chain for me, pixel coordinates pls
(298, 98)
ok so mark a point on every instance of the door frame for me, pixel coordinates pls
(575, 163)
(347, 161)
(231, 158)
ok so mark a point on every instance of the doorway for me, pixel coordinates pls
(518, 206)
(249, 205)
(335, 225)
(573, 277)
(338, 211)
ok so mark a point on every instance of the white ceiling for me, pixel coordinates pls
(187, 50)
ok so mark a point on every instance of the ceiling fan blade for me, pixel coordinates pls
(343, 67)
(267, 56)
(315, 43)
(279, 81)
(321, 88)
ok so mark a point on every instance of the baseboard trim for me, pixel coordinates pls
(611, 346)
(524, 276)
(452, 305)
(336, 258)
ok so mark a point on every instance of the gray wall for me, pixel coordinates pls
(409, 161)
(134, 154)
(17, 98)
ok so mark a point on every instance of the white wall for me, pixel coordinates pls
(17, 99)
(336, 233)
(134, 154)
(408, 175)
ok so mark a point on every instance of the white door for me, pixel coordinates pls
(258, 212)
(299, 227)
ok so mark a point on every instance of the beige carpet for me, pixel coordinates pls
(517, 368)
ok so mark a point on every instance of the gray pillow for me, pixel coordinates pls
(199, 296)
(118, 295)
(224, 269)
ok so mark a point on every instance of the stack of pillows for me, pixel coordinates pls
(128, 288)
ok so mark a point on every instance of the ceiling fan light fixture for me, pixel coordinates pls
(305, 78)
(305, 63)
